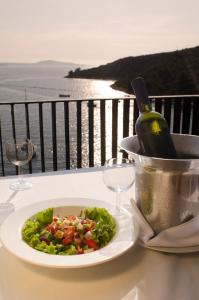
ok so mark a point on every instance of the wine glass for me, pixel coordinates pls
(119, 176)
(20, 153)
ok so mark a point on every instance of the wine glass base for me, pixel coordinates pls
(20, 186)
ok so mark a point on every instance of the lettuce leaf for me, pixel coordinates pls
(45, 216)
(34, 226)
(106, 225)
(29, 229)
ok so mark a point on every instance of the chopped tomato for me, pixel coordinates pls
(69, 232)
(71, 218)
(92, 244)
(66, 241)
(52, 229)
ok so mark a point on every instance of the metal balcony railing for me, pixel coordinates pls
(84, 133)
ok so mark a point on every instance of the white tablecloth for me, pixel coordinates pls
(139, 274)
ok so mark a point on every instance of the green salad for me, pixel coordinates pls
(90, 231)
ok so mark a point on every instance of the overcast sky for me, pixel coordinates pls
(94, 32)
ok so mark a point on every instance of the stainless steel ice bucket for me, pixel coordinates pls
(167, 190)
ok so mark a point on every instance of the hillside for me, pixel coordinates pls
(166, 73)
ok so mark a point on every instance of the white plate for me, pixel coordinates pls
(11, 235)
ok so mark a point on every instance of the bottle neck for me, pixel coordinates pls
(141, 95)
(144, 107)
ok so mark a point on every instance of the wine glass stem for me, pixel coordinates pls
(118, 200)
(20, 176)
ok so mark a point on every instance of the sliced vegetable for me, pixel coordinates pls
(92, 244)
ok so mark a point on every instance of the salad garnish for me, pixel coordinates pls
(88, 232)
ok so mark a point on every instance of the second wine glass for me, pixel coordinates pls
(118, 176)
(20, 153)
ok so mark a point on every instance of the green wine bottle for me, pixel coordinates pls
(151, 127)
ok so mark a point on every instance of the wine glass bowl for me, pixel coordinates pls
(20, 153)
(119, 176)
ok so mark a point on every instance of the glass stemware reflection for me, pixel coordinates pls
(6, 208)
(20, 153)
(118, 176)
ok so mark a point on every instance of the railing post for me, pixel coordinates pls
(186, 113)
(158, 105)
(91, 132)
(114, 127)
(79, 134)
(13, 121)
(126, 110)
(41, 136)
(13, 128)
(67, 134)
(103, 131)
(28, 132)
(195, 122)
(54, 135)
(1, 148)
(177, 116)
(167, 112)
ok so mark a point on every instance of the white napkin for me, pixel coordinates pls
(183, 235)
